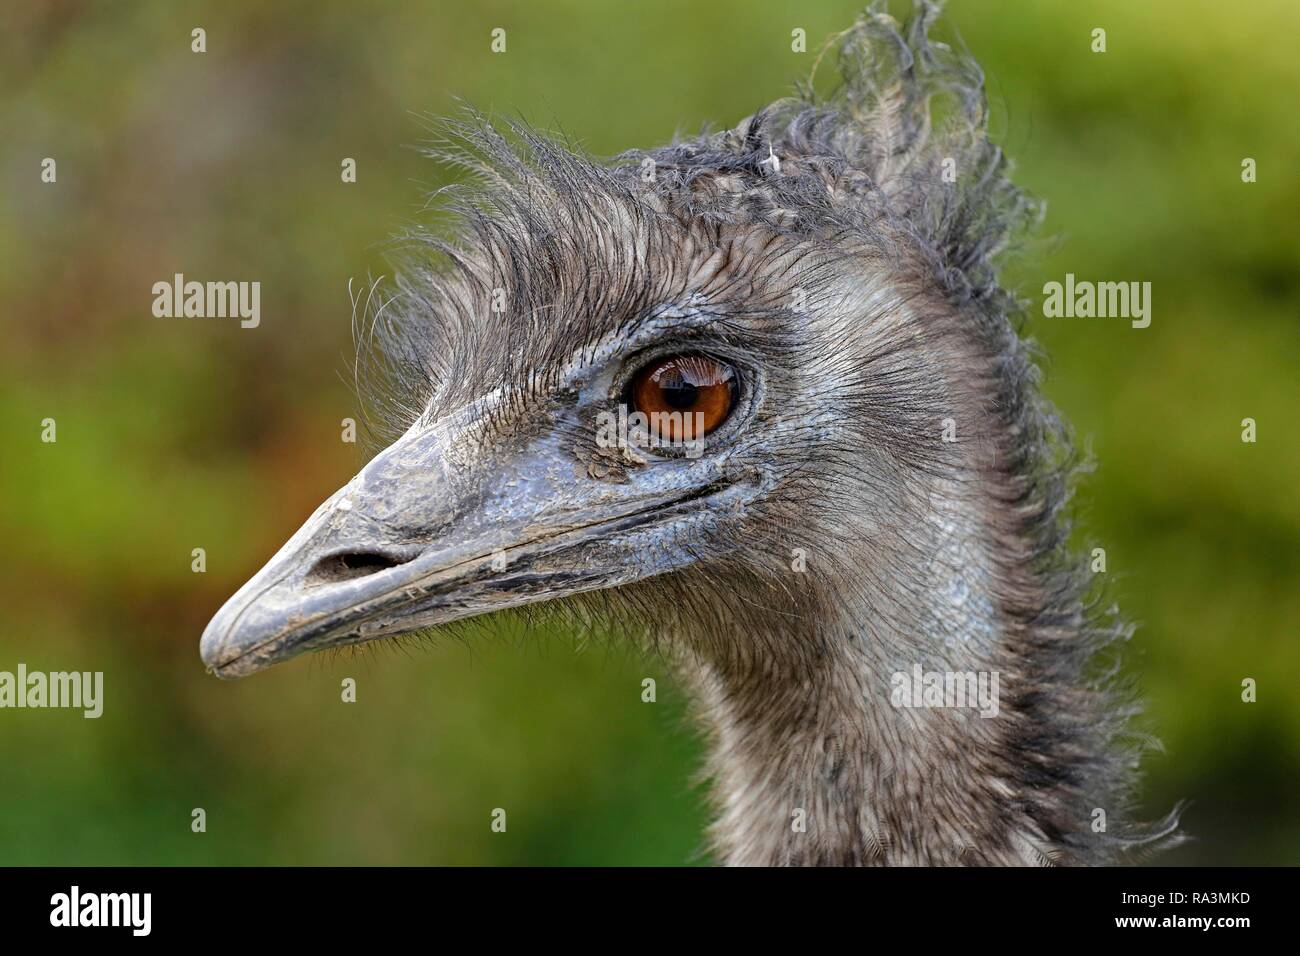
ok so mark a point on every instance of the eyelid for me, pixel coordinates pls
(660, 330)
(700, 370)
(706, 346)
(669, 319)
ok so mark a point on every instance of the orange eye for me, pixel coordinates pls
(685, 396)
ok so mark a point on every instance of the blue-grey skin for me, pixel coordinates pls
(438, 506)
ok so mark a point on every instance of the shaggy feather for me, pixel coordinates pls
(955, 555)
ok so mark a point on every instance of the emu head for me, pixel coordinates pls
(810, 293)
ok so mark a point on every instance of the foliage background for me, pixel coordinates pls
(175, 434)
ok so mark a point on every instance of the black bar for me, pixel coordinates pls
(942, 909)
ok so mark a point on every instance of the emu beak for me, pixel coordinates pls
(426, 534)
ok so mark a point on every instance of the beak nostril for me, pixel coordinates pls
(350, 565)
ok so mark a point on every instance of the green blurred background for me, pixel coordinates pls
(178, 434)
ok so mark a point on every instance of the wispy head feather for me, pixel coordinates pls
(890, 173)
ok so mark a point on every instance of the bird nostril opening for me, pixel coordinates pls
(350, 565)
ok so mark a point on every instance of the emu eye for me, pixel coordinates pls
(685, 397)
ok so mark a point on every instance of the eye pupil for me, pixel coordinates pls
(679, 394)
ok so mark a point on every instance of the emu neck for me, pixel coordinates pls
(819, 756)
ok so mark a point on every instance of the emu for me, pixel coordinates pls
(879, 489)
